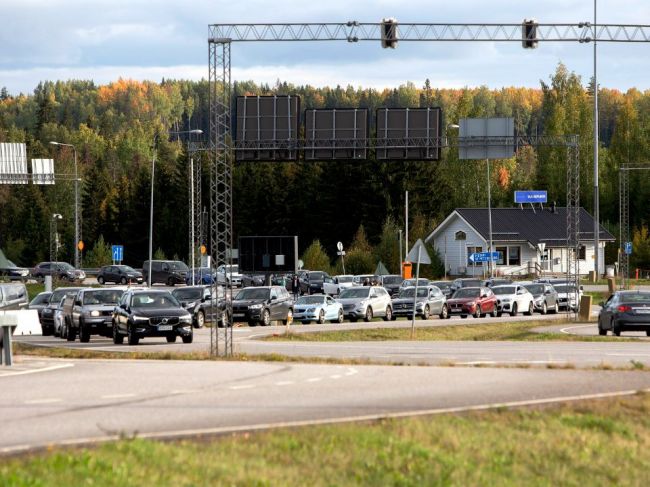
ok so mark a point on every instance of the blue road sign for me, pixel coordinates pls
(628, 248)
(118, 252)
(484, 256)
(530, 196)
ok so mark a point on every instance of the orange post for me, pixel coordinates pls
(407, 270)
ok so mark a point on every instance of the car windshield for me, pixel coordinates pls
(392, 279)
(342, 279)
(442, 284)
(178, 266)
(635, 297)
(504, 290)
(42, 298)
(104, 296)
(253, 293)
(535, 288)
(57, 295)
(154, 300)
(563, 288)
(126, 268)
(188, 293)
(227, 269)
(409, 292)
(310, 300)
(65, 266)
(316, 276)
(500, 282)
(411, 282)
(470, 283)
(352, 293)
(467, 293)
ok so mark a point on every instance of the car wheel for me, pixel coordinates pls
(556, 308)
(514, 310)
(188, 338)
(132, 337)
(123, 281)
(616, 328)
(200, 318)
(444, 313)
(321, 317)
(117, 338)
(353, 319)
(368, 316)
(544, 308)
(289, 317)
(70, 333)
(171, 338)
(340, 317)
(266, 318)
(647, 333)
(389, 314)
(494, 313)
(252, 323)
(305, 322)
(170, 282)
(530, 309)
(425, 312)
(100, 279)
(477, 313)
(463, 316)
(601, 330)
(84, 333)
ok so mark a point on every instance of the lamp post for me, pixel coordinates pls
(76, 202)
(192, 236)
(54, 240)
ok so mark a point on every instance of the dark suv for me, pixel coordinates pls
(168, 272)
(148, 313)
(59, 270)
(122, 274)
(261, 305)
(198, 301)
(90, 312)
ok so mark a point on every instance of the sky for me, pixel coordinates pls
(104, 40)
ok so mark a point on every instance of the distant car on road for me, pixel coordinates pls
(513, 299)
(366, 302)
(625, 311)
(90, 312)
(168, 272)
(568, 297)
(545, 297)
(13, 272)
(344, 281)
(444, 286)
(261, 305)
(230, 272)
(475, 301)
(496, 281)
(392, 283)
(466, 282)
(406, 283)
(39, 302)
(48, 312)
(203, 276)
(198, 301)
(429, 301)
(318, 308)
(119, 274)
(318, 282)
(58, 270)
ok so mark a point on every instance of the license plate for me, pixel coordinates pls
(165, 327)
(643, 311)
(238, 315)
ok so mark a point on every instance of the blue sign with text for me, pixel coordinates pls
(118, 252)
(530, 197)
(484, 256)
(628, 248)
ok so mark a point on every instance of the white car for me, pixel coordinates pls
(318, 308)
(344, 281)
(230, 272)
(366, 302)
(513, 299)
(566, 296)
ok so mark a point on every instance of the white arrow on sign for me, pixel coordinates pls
(423, 254)
(339, 246)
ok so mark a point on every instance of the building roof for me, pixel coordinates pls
(527, 225)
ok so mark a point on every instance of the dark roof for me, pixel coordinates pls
(528, 225)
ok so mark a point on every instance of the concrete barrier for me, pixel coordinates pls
(585, 307)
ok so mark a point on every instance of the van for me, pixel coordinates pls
(170, 272)
(13, 296)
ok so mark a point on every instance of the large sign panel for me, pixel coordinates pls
(43, 171)
(530, 197)
(337, 133)
(13, 163)
(268, 254)
(267, 128)
(486, 138)
(408, 133)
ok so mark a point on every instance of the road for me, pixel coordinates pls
(48, 402)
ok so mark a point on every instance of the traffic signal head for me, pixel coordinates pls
(389, 33)
(529, 34)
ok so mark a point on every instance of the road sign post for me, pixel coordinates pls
(341, 252)
(420, 255)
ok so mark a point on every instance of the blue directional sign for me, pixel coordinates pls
(118, 252)
(484, 257)
(628, 248)
(530, 197)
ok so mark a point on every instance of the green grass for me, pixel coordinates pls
(509, 331)
(605, 442)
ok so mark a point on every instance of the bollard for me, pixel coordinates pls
(5, 341)
(592, 276)
(611, 285)
(585, 307)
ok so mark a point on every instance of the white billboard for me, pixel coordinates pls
(13, 163)
(43, 171)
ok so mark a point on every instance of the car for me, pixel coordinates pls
(143, 313)
(476, 301)
(344, 281)
(170, 272)
(444, 286)
(495, 281)
(203, 276)
(429, 301)
(12, 271)
(60, 328)
(411, 283)
(90, 312)
(39, 302)
(466, 282)
(392, 283)
(48, 312)
(198, 301)
(248, 280)
(513, 299)
(568, 297)
(318, 282)
(545, 297)
(625, 311)
(58, 270)
(230, 273)
(13, 296)
(318, 308)
(261, 305)
(366, 302)
(119, 274)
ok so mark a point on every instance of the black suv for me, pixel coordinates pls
(122, 274)
(168, 272)
(392, 283)
(262, 305)
(198, 301)
(148, 313)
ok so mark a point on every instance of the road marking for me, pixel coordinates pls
(43, 401)
(244, 386)
(117, 396)
(314, 379)
(351, 371)
(629, 354)
(284, 383)
(185, 391)
(45, 369)
(335, 376)
(566, 332)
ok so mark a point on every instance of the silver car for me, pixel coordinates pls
(429, 301)
(366, 302)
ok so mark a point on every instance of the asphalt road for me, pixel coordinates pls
(73, 402)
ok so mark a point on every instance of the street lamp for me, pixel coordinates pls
(76, 202)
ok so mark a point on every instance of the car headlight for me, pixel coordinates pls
(255, 306)
(94, 313)
(140, 318)
(47, 311)
(419, 305)
(186, 319)
(471, 303)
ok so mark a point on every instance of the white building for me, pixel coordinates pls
(528, 240)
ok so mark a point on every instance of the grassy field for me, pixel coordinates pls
(605, 442)
(511, 331)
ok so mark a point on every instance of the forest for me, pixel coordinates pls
(360, 203)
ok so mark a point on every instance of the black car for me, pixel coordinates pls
(59, 270)
(168, 272)
(391, 283)
(261, 305)
(198, 301)
(122, 274)
(445, 286)
(148, 313)
(625, 311)
(47, 313)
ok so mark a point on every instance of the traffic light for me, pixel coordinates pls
(389, 33)
(529, 34)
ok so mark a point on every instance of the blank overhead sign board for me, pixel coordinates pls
(267, 128)
(409, 133)
(13, 163)
(486, 138)
(43, 171)
(336, 133)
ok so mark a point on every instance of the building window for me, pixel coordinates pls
(514, 255)
(470, 251)
(503, 253)
(461, 235)
(582, 252)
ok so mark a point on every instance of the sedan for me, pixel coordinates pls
(318, 308)
(625, 311)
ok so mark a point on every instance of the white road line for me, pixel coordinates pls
(34, 371)
(629, 354)
(351, 371)
(566, 332)
(43, 401)
(243, 386)
(117, 396)
(314, 379)
(284, 383)
(185, 391)
(335, 376)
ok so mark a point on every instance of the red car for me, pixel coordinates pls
(475, 301)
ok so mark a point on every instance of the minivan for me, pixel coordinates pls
(168, 272)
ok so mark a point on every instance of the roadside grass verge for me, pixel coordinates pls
(505, 331)
(565, 444)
